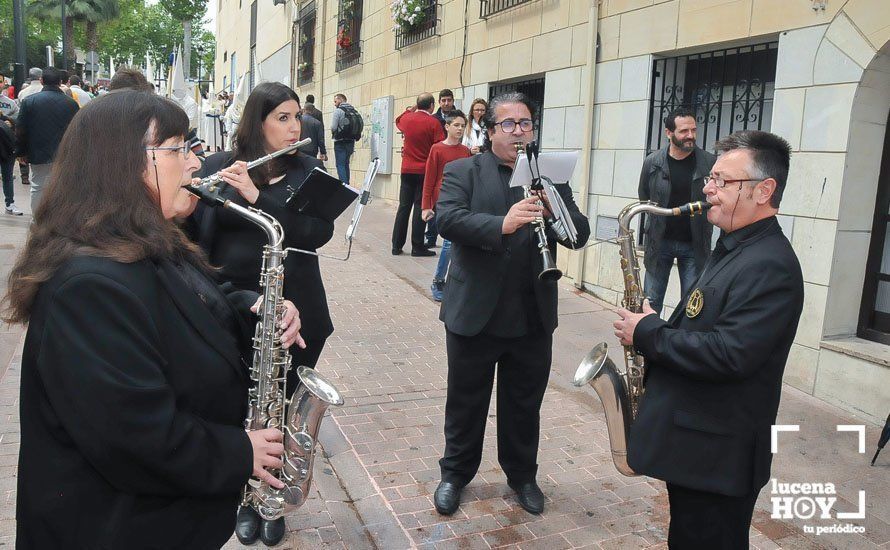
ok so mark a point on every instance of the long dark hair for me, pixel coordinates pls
(249, 142)
(97, 203)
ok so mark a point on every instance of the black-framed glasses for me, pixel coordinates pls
(509, 125)
(183, 149)
(721, 183)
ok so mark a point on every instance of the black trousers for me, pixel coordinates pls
(302, 358)
(707, 520)
(410, 194)
(523, 368)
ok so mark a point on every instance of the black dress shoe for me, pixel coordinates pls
(423, 252)
(530, 496)
(247, 525)
(447, 497)
(272, 532)
(396, 251)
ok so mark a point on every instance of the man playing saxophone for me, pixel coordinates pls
(496, 309)
(714, 369)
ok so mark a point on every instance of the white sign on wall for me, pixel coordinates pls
(381, 132)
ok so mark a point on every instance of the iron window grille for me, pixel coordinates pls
(304, 39)
(874, 313)
(487, 8)
(533, 88)
(426, 27)
(728, 90)
(349, 25)
(252, 54)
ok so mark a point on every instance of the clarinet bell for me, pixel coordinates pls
(550, 271)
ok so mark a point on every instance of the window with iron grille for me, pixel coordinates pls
(424, 14)
(253, 16)
(349, 26)
(729, 90)
(304, 28)
(487, 8)
(874, 313)
(533, 88)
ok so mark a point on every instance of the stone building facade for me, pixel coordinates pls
(816, 72)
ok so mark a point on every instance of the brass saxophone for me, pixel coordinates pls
(621, 392)
(299, 419)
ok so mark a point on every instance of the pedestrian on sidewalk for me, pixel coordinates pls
(133, 388)
(346, 129)
(270, 121)
(440, 155)
(671, 177)
(497, 311)
(421, 130)
(714, 370)
(446, 107)
(474, 137)
(43, 119)
(7, 164)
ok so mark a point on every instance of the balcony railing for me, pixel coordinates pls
(426, 27)
(349, 56)
(488, 8)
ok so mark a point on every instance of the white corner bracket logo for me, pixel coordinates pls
(808, 501)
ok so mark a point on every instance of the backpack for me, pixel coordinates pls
(352, 125)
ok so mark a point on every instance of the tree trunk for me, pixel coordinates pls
(92, 36)
(68, 55)
(187, 48)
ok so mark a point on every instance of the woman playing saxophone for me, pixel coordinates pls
(133, 387)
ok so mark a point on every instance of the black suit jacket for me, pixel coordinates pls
(714, 381)
(302, 278)
(43, 119)
(313, 129)
(470, 213)
(132, 404)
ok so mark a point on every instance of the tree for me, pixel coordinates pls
(88, 12)
(187, 12)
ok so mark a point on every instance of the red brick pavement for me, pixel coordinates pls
(377, 468)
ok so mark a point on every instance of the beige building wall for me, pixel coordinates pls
(831, 102)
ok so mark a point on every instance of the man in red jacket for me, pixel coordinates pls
(421, 130)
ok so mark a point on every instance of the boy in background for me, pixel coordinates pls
(441, 154)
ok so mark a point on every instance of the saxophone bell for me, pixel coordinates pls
(598, 370)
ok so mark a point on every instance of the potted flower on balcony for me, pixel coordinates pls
(344, 37)
(408, 14)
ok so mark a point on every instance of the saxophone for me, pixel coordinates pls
(621, 392)
(300, 418)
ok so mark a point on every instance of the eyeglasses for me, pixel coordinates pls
(720, 183)
(509, 125)
(183, 149)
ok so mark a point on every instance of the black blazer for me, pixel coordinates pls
(132, 404)
(714, 381)
(42, 121)
(313, 129)
(470, 213)
(302, 278)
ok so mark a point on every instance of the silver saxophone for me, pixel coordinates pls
(300, 417)
(621, 392)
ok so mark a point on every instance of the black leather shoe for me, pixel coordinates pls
(422, 253)
(447, 497)
(247, 525)
(272, 532)
(396, 251)
(530, 496)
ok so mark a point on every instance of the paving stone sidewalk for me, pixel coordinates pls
(377, 468)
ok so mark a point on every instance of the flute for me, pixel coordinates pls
(208, 188)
